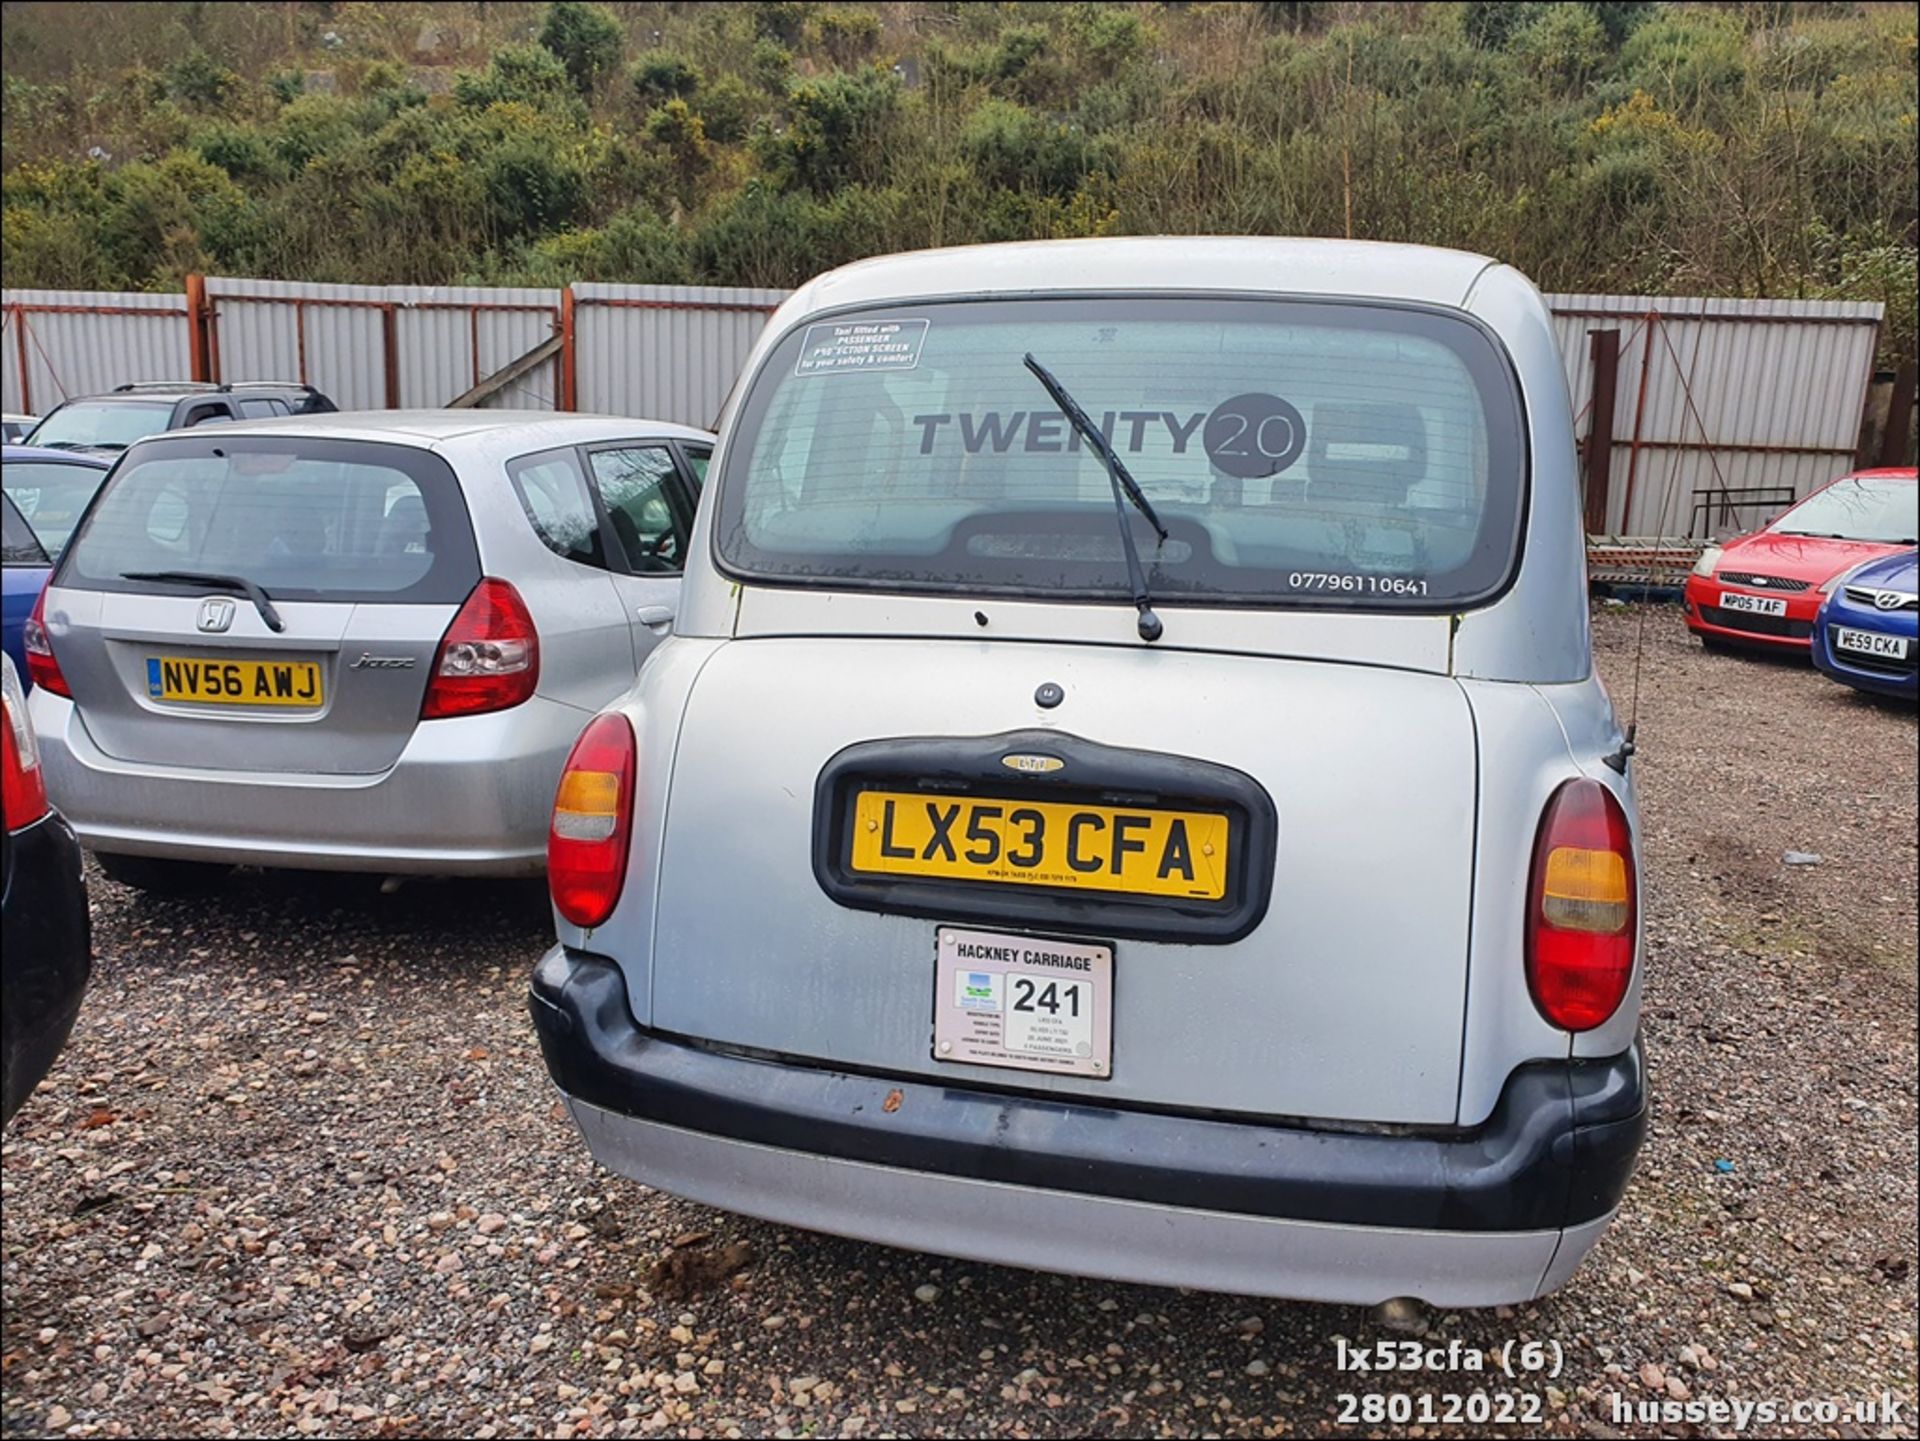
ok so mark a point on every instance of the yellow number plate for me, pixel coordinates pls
(234, 682)
(1041, 843)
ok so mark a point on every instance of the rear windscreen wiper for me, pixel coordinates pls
(1121, 481)
(262, 602)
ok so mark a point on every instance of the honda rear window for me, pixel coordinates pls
(334, 520)
(1299, 453)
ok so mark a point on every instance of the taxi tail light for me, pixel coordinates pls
(1581, 907)
(592, 823)
(488, 660)
(23, 788)
(42, 668)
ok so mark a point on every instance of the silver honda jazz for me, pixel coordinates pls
(353, 641)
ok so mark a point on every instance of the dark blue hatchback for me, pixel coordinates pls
(45, 493)
(1868, 632)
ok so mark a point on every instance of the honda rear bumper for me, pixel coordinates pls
(469, 795)
(1496, 1213)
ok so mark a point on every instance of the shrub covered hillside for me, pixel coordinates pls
(1746, 149)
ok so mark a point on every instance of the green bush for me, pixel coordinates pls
(784, 21)
(585, 39)
(661, 75)
(634, 247)
(839, 131)
(1115, 38)
(528, 74)
(1013, 149)
(245, 153)
(771, 65)
(1749, 150)
(531, 190)
(1564, 45)
(197, 80)
(727, 108)
(848, 36)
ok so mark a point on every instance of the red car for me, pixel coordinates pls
(1764, 589)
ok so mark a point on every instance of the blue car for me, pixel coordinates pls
(46, 492)
(1868, 632)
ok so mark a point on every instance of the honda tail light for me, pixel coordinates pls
(1581, 907)
(489, 658)
(42, 669)
(592, 823)
(23, 790)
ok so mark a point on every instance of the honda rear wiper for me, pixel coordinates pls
(1121, 481)
(262, 602)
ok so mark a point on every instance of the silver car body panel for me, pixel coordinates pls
(361, 783)
(470, 796)
(1086, 1235)
(1379, 951)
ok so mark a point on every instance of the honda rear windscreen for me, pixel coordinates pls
(333, 520)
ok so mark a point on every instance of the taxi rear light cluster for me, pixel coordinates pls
(593, 823)
(42, 669)
(23, 790)
(489, 659)
(1581, 908)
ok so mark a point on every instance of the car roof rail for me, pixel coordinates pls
(139, 385)
(298, 385)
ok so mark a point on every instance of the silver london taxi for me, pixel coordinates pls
(1128, 793)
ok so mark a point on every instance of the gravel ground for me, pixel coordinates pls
(300, 1172)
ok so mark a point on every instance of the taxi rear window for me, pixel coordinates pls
(1300, 453)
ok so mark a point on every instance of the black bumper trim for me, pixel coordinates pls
(1557, 1150)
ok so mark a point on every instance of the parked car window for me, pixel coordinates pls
(18, 544)
(1870, 508)
(554, 495)
(1300, 453)
(201, 414)
(697, 458)
(262, 409)
(102, 425)
(633, 484)
(305, 519)
(51, 496)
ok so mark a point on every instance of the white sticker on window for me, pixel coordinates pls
(861, 345)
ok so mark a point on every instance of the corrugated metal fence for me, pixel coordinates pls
(1721, 410)
(76, 342)
(382, 347)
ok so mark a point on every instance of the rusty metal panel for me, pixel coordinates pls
(451, 337)
(665, 352)
(62, 343)
(1737, 394)
(334, 337)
